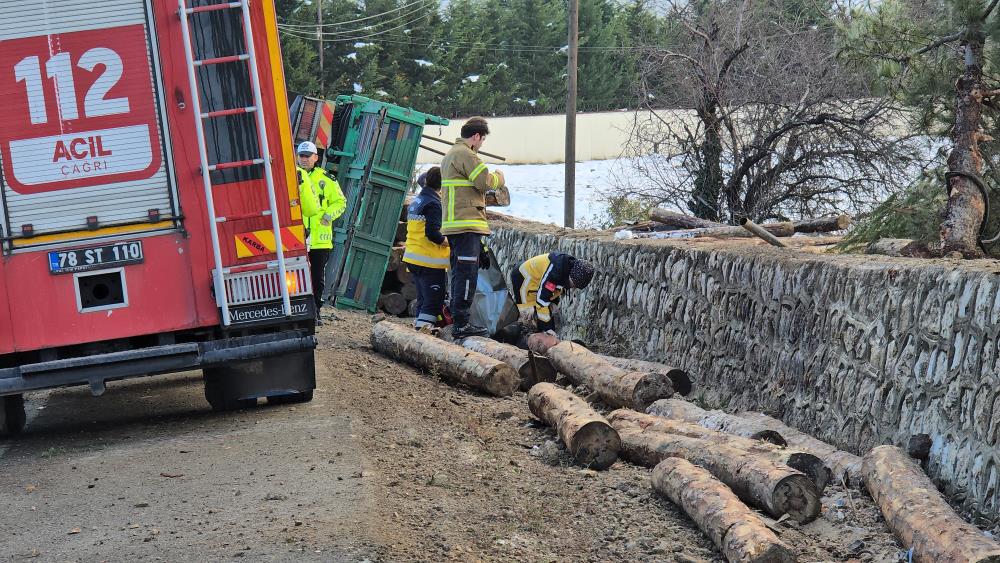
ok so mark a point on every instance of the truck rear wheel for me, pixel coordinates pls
(12, 416)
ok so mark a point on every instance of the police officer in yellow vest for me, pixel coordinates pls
(466, 180)
(322, 202)
(427, 253)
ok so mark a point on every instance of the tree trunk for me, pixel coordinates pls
(733, 528)
(448, 361)
(403, 274)
(708, 180)
(615, 387)
(588, 437)
(899, 247)
(823, 224)
(918, 514)
(846, 467)
(966, 208)
(785, 229)
(678, 409)
(392, 303)
(680, 221)
(807, 463)
(408, 291)
(531, 367)
(395, 258)
(773, 487)
(679, 378)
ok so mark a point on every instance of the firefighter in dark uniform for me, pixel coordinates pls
(427, 254)
(539, 282)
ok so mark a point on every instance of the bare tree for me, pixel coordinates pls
(751, 114)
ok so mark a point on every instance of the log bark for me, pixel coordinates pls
(822, 224)
(845, 466)
(403, 275)
(731, 525)
(395, 258)
(726, 231)
(448, 361)
(773, 487)
(899, 247)
(588, 437)
(408, 291)
(760, 231)
(679, 378)
(392, 303)
(678, 409)
(918, 514)
(412, 308)
(530, 367)
(681, 221)
(807, 463)
(615, 387)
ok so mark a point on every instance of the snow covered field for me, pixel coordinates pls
(536, 190)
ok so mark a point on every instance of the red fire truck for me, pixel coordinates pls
(150, 220)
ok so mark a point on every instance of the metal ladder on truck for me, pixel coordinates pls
(250, 58)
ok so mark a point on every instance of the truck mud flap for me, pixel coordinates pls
(98, 369)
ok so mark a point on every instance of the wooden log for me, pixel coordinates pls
(403, 275)
(400, 232)
(845, 466)
(409, 291)
(448, 361)
(823, 224)
(588, 437)
(680, 221)
(726, 231)
(392, 303)
(413, 308)
(731, 525)
(395, 258)
(918, 514)
(614, 386)
(760, 231)
(406, 207)
(678, 377)
(899, 247)
(678, 409)
(771, 486)
(807, 463)
(540, 342)
(531, 367)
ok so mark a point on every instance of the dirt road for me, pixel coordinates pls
(386, 464)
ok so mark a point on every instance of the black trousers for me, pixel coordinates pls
(430, 284)
(465, 249)
(318, 257)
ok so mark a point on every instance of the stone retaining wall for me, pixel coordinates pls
(856, 350)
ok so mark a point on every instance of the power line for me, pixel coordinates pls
(314, 29)
(498, 47)
(366, 18)
(306, 35)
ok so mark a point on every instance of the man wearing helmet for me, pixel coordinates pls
(540, 281)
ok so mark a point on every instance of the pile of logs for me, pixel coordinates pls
(398, 296)
(668, 224)
(713, 465)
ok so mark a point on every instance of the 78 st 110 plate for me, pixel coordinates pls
(95, 258)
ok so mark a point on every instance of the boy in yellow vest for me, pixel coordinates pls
(427, 252)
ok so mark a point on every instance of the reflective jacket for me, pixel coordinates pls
(543, 279)
(464, 182)
(424, 241)
(322, 203)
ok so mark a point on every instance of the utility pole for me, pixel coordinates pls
(319, 45)
(574, 38)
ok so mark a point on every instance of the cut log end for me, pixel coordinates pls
(596, 445)
(681, 381)
(540, 342)
(813, 467)
(797, 497)
(650, 388)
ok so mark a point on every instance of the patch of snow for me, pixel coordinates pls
(563, 49)
(532, 102)
(502, 65)
(361, 45)
(436, 82)
(351, 56)
(358, 88)
(422, 62)
(381, 92)
(472, 78)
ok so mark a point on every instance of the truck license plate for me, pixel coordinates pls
(95, 258)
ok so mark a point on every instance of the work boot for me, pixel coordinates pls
(468, 330)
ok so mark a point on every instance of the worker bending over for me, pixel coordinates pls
(427, 253)
(540, 281)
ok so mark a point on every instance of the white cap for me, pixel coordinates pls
(306, 147)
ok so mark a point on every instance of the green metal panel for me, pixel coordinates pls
(373, 162)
